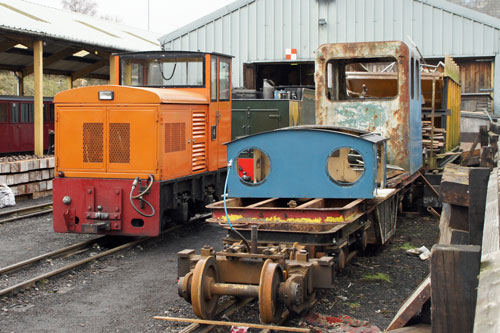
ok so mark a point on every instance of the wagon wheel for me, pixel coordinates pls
(271, 308)
(205, 274)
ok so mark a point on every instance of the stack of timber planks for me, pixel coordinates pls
(439, 136)
(30, 176)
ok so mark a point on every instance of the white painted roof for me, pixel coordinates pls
(26, 17)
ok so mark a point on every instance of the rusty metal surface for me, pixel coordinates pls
(332, 215)
(388, 116)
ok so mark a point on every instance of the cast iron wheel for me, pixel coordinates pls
(270, 306)
(205, 274)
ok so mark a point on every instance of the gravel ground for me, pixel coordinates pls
(122, 293)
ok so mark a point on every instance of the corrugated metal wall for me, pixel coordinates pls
(261, 30)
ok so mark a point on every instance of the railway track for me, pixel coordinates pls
(66, 252)
(21, 213)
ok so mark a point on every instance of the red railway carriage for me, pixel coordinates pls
(132, 158)
(16, 123)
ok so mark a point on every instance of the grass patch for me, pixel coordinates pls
(376, 277)
(406, 246)
(354, 305)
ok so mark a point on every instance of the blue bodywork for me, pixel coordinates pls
(298, 158)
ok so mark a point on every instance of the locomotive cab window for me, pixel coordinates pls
(162, 70)
(345, 166)
(364, 78)
(224, 79)
(253, 166)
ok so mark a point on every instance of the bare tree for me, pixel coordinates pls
(87, 7)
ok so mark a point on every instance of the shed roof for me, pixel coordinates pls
(34, 19)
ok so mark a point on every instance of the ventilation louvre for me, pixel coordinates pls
(175, 137)
(92, 142)
(119, 143)
(199, 154)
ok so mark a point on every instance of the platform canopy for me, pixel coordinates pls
(74, 44)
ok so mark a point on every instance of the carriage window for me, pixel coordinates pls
(213, 79)
(26, 112)
(253, 166)
(14, 113)
(51, 112)
(345, 166)
(4, 112)
(350, 79)
(224, 80)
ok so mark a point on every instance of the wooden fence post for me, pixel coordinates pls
(454, 279)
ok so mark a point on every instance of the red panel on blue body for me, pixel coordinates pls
(102, 206)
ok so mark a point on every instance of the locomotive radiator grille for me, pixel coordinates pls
(92, 142)
(175, 137)
(199, 153)
(119, 143)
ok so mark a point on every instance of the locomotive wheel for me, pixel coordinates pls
(271, 308)
(205, 274)
(340, 260)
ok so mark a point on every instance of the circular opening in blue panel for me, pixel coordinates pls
(345, 166)
(253, 166)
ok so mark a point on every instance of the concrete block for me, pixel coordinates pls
(15, 167)
(3, 179)
(20, 178)
(32, 187)
(45, 174)
(43, 186)
(43, 163)
(49, 185)
(10, 180)
(19, 189)
(25, 165)
(36, 164)
(51, 171)
(5, 167)
(52, 162)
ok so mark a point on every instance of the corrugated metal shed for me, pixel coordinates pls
(25, 17)
(261, 30)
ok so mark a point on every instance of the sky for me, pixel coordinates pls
(164, 15)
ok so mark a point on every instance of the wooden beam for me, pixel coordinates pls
(487, 317)
(478, 187)
(412, 305)
(454, 272)
(89, 69)
(7, 44)
(113, 69)
(232, 323)
(38, 71)
(50, 60)
(454, 187)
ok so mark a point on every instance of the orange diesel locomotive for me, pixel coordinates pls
(134, 157)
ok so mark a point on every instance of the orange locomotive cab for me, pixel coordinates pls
(134, 157)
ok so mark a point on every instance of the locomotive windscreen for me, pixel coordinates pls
(168, 71)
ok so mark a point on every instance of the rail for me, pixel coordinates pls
(21, 213)
(30, 282)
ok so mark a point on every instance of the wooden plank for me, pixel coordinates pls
(487, 317)
(454, 186)
(491, 237)
(232, 323)
(412, 305)
(478, 185)
(454, 271)
(419, 328)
